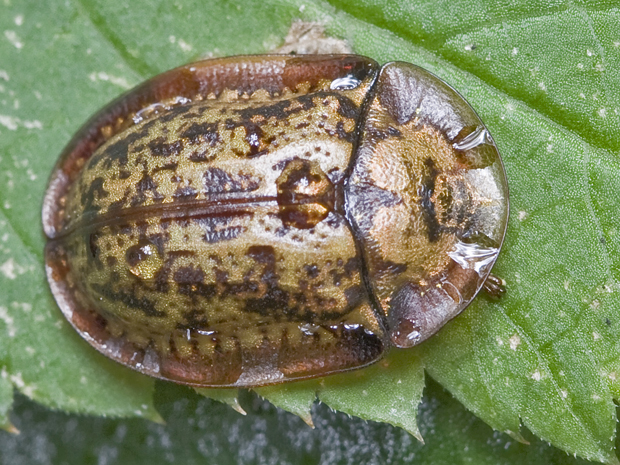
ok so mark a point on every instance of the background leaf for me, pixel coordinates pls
(545, 79)
(202, 431)
(6, 402)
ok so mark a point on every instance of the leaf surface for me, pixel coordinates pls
(545, 78)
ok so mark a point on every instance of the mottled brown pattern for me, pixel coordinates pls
(250, 145)
(432, 219)
(248, 221)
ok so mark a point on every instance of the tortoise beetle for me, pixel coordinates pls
(259, 219)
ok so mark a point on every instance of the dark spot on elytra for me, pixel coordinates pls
(312, 271)
(129, 299)
(274, 300)
(202, 132)
(218, 228)
(278, 110)
(194, 319)
(94, 193)
(346, 107)
(118, 151)
(282, 110)
(218, 181)
(159, 241)
(160, 148)
(201, 157)
(352, 266)
(241, 289)
(188, 275)
(263, 254)
(348, 270)
(297, 218)
(190, 282)
(141, 226)
(146, 183)
(265, 296)
(169, 166)
(221, 276)
(161, 279)
(185, 193)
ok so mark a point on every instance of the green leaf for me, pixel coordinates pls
(229, 397)
(545, 78)
(296, 398)
(6, 402)
(389, 391)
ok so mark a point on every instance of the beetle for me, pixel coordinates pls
(253, 220)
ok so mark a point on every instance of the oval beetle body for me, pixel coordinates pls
(253, 220)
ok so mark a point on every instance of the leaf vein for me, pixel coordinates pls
(140, 67)
(601, 50)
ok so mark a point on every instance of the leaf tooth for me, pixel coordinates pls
(389, 391)
(516, 435)
(297, 398)
(9, 428)
(229, 397)
(6, 402)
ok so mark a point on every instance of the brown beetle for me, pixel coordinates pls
(253, 220)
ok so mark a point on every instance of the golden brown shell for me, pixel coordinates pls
(253, 220)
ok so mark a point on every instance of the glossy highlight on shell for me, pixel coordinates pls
(254, 220)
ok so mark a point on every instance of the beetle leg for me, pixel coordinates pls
(494, 286)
